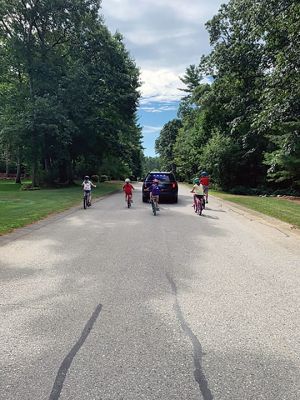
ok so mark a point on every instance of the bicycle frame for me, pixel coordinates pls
(129, 197)
(154, 205)
(198, 205)
(86, 199)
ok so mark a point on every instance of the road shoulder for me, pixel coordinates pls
(252, 215)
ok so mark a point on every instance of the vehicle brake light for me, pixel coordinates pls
(174, 185)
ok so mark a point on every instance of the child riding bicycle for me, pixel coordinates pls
(87, 189)
(154, 190)
(127, 189)
(198, 191)
(204, 180)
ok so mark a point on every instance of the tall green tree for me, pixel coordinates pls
(165, 143)
(251, 108)
(79, 87)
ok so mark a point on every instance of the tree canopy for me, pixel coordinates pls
(244, 127)
(68, 91)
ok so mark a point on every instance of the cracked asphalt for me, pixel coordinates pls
(112, 303)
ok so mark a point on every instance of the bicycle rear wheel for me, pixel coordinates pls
(198, 207)
(128, 202)
(84, 202)
(153, 207)
(89, 200)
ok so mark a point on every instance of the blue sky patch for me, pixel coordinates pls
(152, 117)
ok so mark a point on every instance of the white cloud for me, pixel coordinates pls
(151, 109)
(164, 37)
(159, 108)
(161, 85)
(151, 129)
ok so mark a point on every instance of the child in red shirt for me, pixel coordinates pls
(127, 189)
(204, 180)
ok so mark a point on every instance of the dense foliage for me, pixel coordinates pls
(244, 127)
(151, 164)
(68, 92)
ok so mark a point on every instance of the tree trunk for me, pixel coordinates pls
(47, 164)
(18, 176)
(34, 177)
(7, 165)
(71, 172)
(63, 172)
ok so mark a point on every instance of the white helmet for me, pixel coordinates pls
(127, 180)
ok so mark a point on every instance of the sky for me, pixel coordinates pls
(164, 37)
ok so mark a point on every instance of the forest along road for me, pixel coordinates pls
(114, 303)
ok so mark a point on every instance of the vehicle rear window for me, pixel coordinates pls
(161, 177)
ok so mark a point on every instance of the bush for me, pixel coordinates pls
(103, 178)
(242, 190)
(262, 191)
(286, 192)
(95, 178)
(28, 186)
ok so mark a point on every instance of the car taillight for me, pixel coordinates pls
(174, 185)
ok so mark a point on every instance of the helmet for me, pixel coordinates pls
(196, 181)
(204, 173)
(127, 180)
(155, 180)
(86, 177)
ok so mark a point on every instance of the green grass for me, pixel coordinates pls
(284, 210)
(19, 208)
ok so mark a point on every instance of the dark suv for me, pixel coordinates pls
(167, 184)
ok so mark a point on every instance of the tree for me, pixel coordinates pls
(151, 164)
(79, 88)
(165, 143)
(280, 111)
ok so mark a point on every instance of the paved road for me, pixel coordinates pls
(112, 304)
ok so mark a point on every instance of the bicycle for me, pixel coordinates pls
(198, 205)
(129, 201)
(86, 199)
(154, 205)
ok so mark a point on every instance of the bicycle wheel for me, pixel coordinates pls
(128, 202)
(84, 202)
(200, 207)
(153, 207)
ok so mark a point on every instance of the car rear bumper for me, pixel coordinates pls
(162, 196)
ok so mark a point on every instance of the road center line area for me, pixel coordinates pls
(197, 348)
(194, 307)
(63, 369)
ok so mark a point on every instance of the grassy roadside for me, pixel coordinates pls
(19, 208)
(284, 210)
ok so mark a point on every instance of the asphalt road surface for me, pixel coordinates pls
(113, 303)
